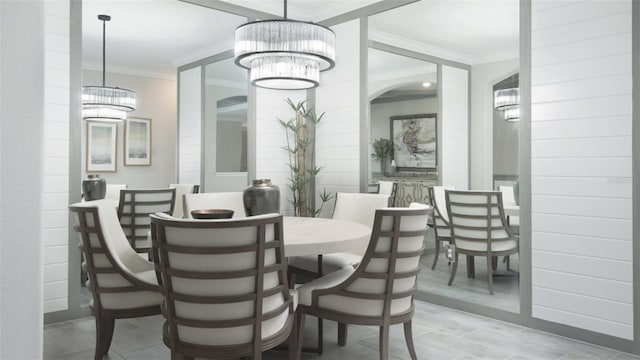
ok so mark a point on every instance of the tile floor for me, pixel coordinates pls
(439, 333)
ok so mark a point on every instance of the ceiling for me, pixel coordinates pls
(154, 37)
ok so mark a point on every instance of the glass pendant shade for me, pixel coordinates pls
(505, 98)
(103, 103)
(284, 54)
(107, 103)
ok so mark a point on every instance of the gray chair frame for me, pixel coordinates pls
(105, 318)
(456, 227)
(165, 271)
(393, 195)
(438, 228)
(133, 218)
(386, 320)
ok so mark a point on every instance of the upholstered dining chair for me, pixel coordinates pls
(181, 190)
(215, 200)
(389, 188)
(134, 209)
(508, 198)
(479, 228)
(380, 290)
(122, 283)
(113, 192)
(441, 226)
(225, 286)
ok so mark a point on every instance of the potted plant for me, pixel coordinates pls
(382, 152)
(300, 133)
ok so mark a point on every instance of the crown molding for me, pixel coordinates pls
(126, 70)
(505, 56)
(226, 83)
(401, 74)
(200, 54)
(402, 42)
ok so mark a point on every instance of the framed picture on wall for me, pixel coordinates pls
(101, 146)
(137, 142)
(415, 142)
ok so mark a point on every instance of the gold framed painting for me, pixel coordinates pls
(101, 146)
(137, 142)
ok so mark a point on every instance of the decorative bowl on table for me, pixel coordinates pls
(212, 214)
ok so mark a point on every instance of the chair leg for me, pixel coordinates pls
(299, 335)
(490, 273)
(384, 342)
(104, 334)
(342, 334)
(293, 339)
(435, 258)
(408, 337)
(471, 267)
(320, 336)
(454, 269)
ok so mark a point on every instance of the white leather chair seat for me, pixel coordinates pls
(130, 300)
(347, 305)
(232, 335)
(501, 245)
(327, 281)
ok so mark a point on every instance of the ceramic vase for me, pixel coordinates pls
(94, 187)
(261, 198)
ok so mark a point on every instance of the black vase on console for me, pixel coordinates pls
(94, 187)
(261, 198)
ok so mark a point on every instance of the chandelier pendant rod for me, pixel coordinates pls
(104, 30)
(285, 9)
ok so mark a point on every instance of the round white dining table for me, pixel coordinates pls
(315, 236)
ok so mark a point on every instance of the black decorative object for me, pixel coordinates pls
(516, 191)
(261, 198)
(212, 214)
(94, 187)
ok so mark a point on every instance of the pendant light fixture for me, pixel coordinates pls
(506, 98)
(103, 103)
(512, 114)
(284, 54)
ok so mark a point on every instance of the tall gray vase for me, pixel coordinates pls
(261, 198)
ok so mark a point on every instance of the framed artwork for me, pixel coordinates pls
(101, 146)
(137, 142)
(415, 142)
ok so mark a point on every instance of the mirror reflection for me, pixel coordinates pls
(225, 120)
(397, 95)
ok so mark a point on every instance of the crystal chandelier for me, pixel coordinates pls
(103, 103)
(284, 54)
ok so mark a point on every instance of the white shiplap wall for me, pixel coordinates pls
(581, 165)
(455, 127)
(56, 155)
(190, 126)
(271, 160)
(338, 135)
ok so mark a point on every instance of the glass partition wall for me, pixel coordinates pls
(397, 68)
